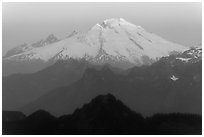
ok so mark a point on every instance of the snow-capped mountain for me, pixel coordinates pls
(115, 41)
(27, 47)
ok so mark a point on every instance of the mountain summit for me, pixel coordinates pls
(115, 41)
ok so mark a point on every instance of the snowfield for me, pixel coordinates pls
(115, 39)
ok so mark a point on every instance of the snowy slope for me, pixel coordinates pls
(114, 40)
(27, 47)
(192, 55)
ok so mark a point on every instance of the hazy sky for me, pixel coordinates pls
(29, 22)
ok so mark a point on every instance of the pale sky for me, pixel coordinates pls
(30, 22)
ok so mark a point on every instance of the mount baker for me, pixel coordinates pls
(115, 42)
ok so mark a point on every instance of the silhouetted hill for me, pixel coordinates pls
(40, 115)
(40, 122)
(12, 116)
(105, 115)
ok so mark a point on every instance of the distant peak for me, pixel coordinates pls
(51, 37)
(40, 115)
(112, 22)
(105, 98)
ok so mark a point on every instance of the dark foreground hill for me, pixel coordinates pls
(103, 115)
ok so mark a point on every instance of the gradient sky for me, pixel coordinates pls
(29, 22)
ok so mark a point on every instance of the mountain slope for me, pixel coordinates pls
(27, 47)
(115, 41)
(20, 89)
(169, 85)
(20, 65)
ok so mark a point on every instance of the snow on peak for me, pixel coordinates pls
(116, 37)
(111, 20)
(116, 22)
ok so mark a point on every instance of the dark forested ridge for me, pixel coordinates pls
(103, 115)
